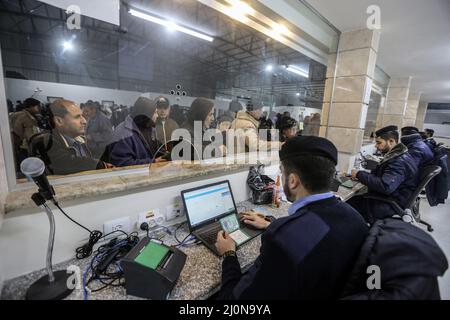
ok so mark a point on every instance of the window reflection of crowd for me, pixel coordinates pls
(71, 138)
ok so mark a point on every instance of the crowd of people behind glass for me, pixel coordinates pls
(71, 138)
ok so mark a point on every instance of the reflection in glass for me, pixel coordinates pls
(103, 69)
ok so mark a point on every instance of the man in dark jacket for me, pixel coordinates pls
(133, 141)
(66, 147)
(164, 124)
(417, 148)
(308, 254)
(396, 177)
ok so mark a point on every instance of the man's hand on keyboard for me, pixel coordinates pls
(255, 220)
(224, 243)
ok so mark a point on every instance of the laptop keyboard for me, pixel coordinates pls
(210, 236)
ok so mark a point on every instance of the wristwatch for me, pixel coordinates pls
(229, 253)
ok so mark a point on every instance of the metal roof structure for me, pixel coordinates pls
(142, 56)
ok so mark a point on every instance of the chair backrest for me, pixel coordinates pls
(426, 174)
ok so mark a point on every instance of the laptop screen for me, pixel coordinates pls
(208, 203)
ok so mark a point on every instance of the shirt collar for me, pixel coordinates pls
(70, 141)
(300, 203)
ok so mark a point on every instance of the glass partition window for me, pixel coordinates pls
(102, 96)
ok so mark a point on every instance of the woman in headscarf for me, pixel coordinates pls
(199, 119)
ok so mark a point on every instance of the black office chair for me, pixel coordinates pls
(411, 211)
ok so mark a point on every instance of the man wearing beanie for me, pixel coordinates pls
(228, 117)
(310, 253)
(395, 177)
(417, 148)
(24, 125)
(247, 124)
(133, 141)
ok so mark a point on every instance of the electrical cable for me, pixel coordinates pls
(94, 236)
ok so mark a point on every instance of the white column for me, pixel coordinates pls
(344, 111)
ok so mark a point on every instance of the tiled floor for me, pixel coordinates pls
(439, 218)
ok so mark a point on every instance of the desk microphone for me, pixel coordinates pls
(35, 168)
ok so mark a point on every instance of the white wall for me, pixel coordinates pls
(442, 130)
(24, 235)
(294, 110)
(17, 89)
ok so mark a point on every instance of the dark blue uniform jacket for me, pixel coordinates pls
(418, 149)
(396, 177)
(307, 255)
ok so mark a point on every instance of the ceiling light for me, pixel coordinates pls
(170, 25)
(280, 29)
(67, 45)
(269, 67)
(298, 71)
(298, 94)
(239, 10)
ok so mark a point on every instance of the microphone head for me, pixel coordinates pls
(32, 167)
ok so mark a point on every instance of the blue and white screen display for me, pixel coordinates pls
(208, 203)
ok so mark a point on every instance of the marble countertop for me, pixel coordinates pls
(157, 175)
(201, 274)
(199, 279)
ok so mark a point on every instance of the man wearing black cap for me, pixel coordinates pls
(309, 253)
(246, 125)
(417, 148)
(164, 124)
(396, 177)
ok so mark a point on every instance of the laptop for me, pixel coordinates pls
(210, 209)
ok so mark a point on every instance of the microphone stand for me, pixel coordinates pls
(54, 285)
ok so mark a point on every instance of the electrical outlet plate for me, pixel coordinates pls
(174, 211)
(123, 224)
(152, 217)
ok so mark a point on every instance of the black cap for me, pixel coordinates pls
(308, 146)
(254, 105)
(409, 130)
(162, 102)
(385, 130)
(31, 102)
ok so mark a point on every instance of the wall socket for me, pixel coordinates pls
(152, 217)
(174, 210)
(123, 224)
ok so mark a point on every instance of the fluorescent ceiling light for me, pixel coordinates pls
(239, 10)
(280, 29)
(170, 25)
(298, 71)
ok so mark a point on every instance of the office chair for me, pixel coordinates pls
(411, 211)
